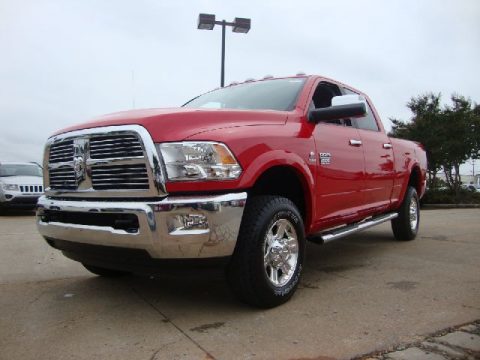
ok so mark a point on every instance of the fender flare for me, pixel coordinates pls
(420, 186)
(275, 158)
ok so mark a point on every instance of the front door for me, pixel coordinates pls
(340, 165)
(340, 173)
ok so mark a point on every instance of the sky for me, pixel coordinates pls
(64, 62)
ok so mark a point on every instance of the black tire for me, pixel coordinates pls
(100, 271)
(248, 274)
(404, 229)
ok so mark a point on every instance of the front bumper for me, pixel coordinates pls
(14, 199)
(172, 228)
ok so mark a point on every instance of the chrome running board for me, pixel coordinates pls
(337, 233)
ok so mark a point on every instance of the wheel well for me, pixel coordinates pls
(282, 181)
(414, 180)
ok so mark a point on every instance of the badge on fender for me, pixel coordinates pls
(325, 158)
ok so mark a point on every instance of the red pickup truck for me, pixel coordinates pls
(241, 176)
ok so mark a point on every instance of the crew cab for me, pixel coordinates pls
(241, 176)
(21, 185)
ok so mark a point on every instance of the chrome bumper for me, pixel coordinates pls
(173, 228)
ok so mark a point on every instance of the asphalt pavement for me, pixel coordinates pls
(360, 294)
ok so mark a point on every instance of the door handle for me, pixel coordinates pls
(387, 146)
(354, 142)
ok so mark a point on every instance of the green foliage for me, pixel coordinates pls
(450, 134)
(450, 197)
(476, 132)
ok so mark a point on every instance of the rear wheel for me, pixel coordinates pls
(100, 271)
(267, 263)
(405, 226)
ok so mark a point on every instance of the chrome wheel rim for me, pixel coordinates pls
(413, 212)
(280, 252)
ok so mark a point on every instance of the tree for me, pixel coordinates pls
(451, 135)
(424, 127)
(476, 132)
(459, 142)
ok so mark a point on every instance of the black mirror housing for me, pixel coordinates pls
(337, 112)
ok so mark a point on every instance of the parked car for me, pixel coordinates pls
(21, 184)
(241, 176)
(470, 187)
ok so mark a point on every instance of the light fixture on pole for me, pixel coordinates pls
(239, 25)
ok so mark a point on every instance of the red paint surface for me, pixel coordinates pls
(359, 181)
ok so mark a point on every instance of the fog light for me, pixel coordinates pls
(8, 196)
(188, 223)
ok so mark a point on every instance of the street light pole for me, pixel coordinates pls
(239, 25)
(222, 75)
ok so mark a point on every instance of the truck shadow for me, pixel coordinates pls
(207, 290)
(16, 212)
(362, 250)
(210, 290)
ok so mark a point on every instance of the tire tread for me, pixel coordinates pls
(240, 273)
(401, 225)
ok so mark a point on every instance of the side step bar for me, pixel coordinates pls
(330, 235)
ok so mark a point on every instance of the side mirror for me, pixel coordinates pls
(346, 106)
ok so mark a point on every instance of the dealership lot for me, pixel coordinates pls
(362, 293)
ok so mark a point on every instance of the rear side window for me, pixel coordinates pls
(367, 122)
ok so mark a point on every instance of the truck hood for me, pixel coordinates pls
(21, 180)
(174, 124)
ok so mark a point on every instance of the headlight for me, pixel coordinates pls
(10, 187)
(191, 160)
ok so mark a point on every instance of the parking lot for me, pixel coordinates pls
(362, 293)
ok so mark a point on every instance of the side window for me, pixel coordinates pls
(323, 98)
(367, 122)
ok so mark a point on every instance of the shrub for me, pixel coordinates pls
(449, 197)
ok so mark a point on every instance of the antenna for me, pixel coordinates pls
(133, 89)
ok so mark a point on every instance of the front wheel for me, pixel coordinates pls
(405, 226)
(267, 263)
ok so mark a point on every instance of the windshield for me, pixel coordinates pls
(20, 170)
(277, 94)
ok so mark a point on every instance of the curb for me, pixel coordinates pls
(453, 343)
(450, 206)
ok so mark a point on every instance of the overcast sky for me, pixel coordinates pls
(63, 62)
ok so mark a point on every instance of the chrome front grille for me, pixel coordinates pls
(115, 146)
(112, 177)
(113, 161)
(31, 188)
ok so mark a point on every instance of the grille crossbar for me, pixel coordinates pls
(114, 146)
(61, 152)
(123, 176)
